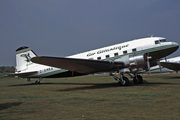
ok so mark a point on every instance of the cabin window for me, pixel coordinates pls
(115, 54)
(125, 52)
(134, 50)
(99, 58)
(157, 42)
(107, 56)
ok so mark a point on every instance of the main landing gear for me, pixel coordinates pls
(124, 81)
(137, 79)
(38, 81)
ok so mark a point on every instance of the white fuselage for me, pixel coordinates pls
(110, 53)
(130, 47)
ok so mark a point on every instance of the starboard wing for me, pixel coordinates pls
(171, 65)
(83, 66)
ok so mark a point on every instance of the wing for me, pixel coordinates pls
(171, 65)
(83, 66)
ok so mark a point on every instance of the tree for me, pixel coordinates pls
(7, 69)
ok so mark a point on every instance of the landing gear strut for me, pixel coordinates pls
(38, 81)
(123, 81)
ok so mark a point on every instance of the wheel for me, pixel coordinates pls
(138, 79)
(125, 83)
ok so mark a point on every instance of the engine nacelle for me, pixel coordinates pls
(138, 61)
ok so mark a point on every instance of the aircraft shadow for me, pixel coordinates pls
(158, 83)
(173, 77)
(108, 85)
(89, 86)
(9, 105)
(49, 83)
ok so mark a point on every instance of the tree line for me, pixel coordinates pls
(7, 69)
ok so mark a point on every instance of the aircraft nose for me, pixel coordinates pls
(175, 44)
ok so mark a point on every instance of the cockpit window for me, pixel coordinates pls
(157, 42)
(160, 41)
(163, 40)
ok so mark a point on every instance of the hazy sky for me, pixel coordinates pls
(66, 27)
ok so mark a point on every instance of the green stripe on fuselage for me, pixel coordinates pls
(154, 49)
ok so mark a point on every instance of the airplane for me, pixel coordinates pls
(167, 65)
(132, 57)
(163, 68)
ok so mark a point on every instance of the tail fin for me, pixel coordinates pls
(23, 58)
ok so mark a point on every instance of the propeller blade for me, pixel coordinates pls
(148, 65)
(159, 63)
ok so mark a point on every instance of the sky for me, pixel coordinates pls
(66, 27)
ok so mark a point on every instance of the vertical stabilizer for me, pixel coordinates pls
(23, 58)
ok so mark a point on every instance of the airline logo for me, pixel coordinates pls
(108, 50)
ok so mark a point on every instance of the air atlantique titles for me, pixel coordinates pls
(107, 50)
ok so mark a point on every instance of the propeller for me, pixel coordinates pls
(148, 63)
(165, 59)
(159, 63)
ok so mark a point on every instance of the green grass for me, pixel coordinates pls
(90, 97)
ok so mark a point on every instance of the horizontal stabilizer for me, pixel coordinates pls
(83, 66)
(25, 74)
(171, 65)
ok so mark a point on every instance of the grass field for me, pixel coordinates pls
(90, 97)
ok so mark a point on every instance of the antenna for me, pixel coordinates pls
(152, 35)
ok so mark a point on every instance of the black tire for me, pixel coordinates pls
(126, 82)
(139, 80)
